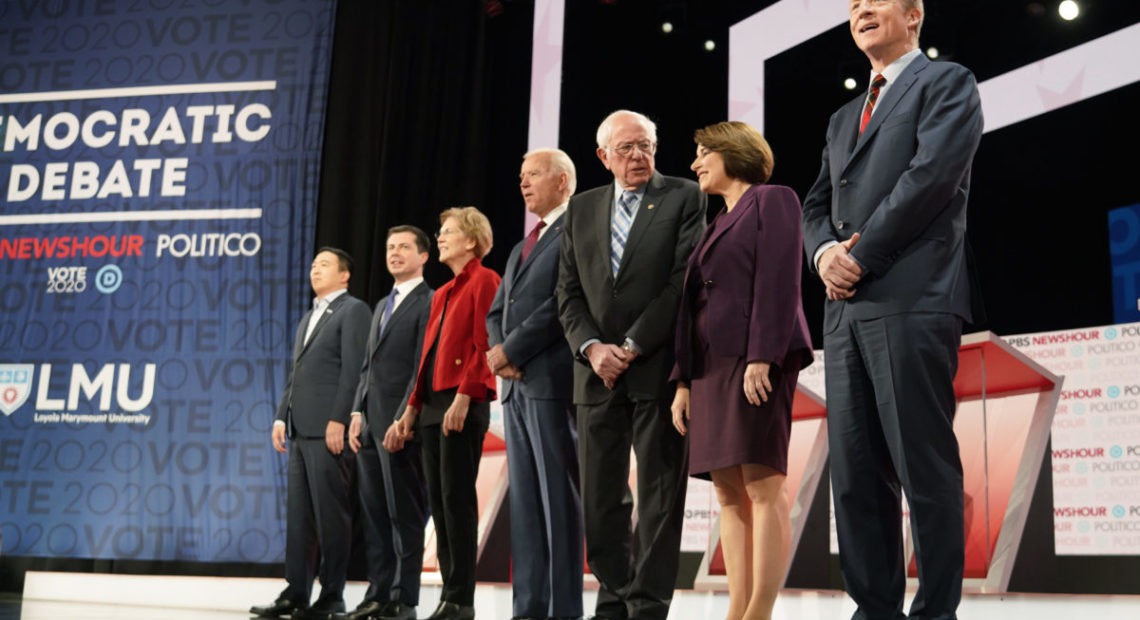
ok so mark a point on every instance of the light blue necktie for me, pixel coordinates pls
(389, 305)
(619, 232)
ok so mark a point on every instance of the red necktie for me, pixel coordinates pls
(531, 239)
(876, 84)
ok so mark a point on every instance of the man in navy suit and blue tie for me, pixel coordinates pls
(393, 497)
(314, 414)
(885, 229)
(529, 352)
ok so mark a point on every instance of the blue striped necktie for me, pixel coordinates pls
(619, 232)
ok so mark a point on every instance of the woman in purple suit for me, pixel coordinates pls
(741, 341)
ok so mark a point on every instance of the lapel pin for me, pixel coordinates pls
(651, 205)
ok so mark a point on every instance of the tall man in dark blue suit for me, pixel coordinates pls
(885, 228)
(393, 497)
(529, 352)
(313, 414)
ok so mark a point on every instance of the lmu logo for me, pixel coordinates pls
(15, 386)
(111, 381)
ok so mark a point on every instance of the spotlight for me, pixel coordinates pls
(1068, 10)
(850, 83)
(932, 52)
(667, 27)
(710, 45)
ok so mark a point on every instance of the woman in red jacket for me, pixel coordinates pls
(450, 403)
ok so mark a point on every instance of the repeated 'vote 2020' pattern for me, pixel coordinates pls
(159, 165)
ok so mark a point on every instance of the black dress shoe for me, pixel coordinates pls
(396, 611)
(367, 609)
(452, 611)
(321, 610)
(280, 607)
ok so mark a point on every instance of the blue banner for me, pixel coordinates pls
(159, 164)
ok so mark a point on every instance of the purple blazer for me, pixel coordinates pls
(749, 262)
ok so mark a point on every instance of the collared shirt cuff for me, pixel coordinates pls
(819, 252)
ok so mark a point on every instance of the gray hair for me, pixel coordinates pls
(561, 162)
(606, 129)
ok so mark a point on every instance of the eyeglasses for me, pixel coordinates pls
(443, 232)
(626, 150)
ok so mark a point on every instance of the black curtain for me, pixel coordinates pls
(417, 87)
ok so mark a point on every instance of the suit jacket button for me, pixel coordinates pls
(458, 362)
(708, 283)
(842, 182)
(840, 225)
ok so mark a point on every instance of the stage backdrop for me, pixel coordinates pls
(158, 181)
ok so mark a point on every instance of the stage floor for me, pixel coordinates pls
(127, 597)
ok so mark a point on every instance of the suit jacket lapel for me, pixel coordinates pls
(887, 103)
(602, 226)
(399, 312)
(544, 242)
(325, 317)
(654, 192)
(726, 221)
(302, 327)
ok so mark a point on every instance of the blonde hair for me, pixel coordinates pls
(474, 225)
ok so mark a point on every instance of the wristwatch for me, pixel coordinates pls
(628, 347)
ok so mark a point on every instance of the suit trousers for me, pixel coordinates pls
(637, 573)
(451, 466)
(320, 506)
(546, 511)
(890, 414)
(394, 512)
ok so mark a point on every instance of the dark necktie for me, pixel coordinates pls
(531, 240)
(389, 305)
(876, 85)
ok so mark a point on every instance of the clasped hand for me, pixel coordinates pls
(838, 271)
(499, 364)
(401, 431)
(609, 361)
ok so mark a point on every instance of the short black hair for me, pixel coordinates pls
(342, 257)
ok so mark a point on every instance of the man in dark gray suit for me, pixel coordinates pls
(528, 351)
(885, 228)
(624, 251)
(314, 413)
(393, 499)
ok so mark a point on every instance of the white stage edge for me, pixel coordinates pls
(53, 594)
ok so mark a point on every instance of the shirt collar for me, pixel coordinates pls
(895, 69)
(403, 288)
(328, 299)
(619, 190)
(554, 214)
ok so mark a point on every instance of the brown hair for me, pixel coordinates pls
(746, 153)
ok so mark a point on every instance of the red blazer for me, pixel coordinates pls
(460, 353)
